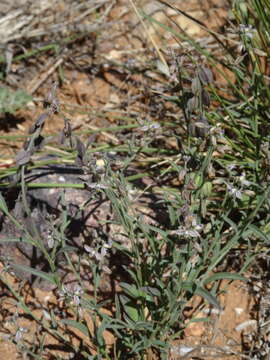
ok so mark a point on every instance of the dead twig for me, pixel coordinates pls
(39, 80)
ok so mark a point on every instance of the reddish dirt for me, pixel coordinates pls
(212, 337)
(208, 339)
(43, 300)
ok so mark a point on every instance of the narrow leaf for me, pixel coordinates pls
(208, 297)
(224, 275)
(132, 291)
(3, 205)
(77, 325)
(12, 240)
(132, 312)
(259, 233)
(39, 273)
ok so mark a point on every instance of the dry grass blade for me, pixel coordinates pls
(152, 40)
(40, 79)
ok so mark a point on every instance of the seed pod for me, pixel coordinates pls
(205, 75)
(81, 150)
(205, 98)
(202, 127)
(39, 123)
(23, 157)
(196, 86)
(193, 104)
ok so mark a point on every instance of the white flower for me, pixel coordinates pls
(19, 333)
(74, 295)
(47, 316)
(191, 228)
(182, 231)
(108, 245)
(150, 126)
(243, 180)
(77, 293)
(91, 251)
(50, 240)
(216, 133)
(196, 226)
(234, 192)
(97, 186)
(103, 251)
(247, 30)
(217, 130)
(63, 293)
(231, 167)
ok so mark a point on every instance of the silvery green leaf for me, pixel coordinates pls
(10, 101)
(206, 295)
(41, 274)
(77, 325)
